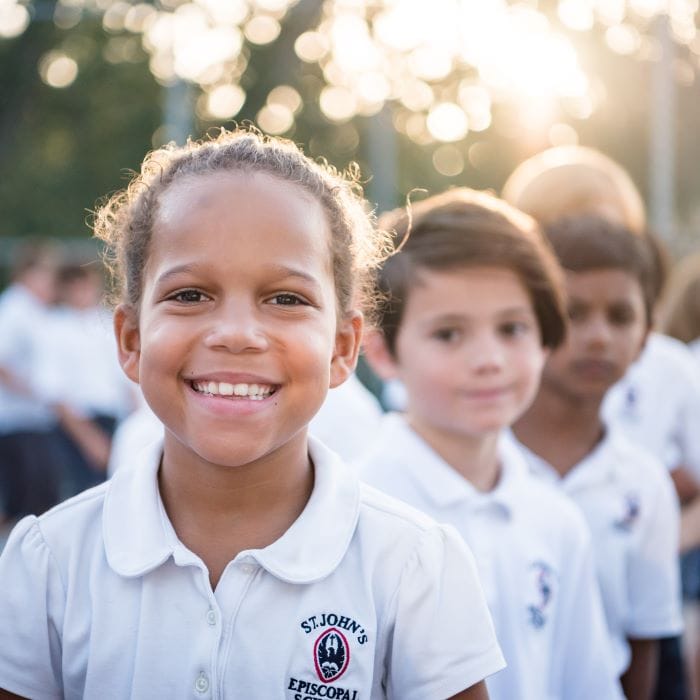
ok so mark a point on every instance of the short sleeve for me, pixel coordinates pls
(654, 573)
(443, 640)
(31, 606)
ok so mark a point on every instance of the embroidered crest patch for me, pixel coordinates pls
(543, 577)
(631, 510)
(331, 655)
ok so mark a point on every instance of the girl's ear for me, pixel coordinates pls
(126, 330)
(378, 355)
(347, 347)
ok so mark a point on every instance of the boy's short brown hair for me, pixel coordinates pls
(583, 243)
(463, 228)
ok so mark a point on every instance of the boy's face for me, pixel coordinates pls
(468, 351)
(607, 330)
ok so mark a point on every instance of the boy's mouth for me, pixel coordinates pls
(255, 392)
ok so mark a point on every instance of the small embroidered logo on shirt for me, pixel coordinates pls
(630, 513)
(544, 590)
(331, 655)
(629, 410)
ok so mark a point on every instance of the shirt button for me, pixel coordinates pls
(201, 685)
(247, 568)
(211, 616)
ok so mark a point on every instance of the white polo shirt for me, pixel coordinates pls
(22, 337)
(631, 507)
(657, 403)
(535, 561)
(79, 365)
(361, 598)
(347, 421)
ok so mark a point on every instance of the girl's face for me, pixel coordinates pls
(237, 339)
(468, 351)
(607, 330)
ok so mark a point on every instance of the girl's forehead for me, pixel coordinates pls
(250, 216)
(207, 189)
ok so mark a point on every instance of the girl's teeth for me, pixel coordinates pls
(251, 391)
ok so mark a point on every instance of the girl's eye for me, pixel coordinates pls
(287, 299)
(188, 296)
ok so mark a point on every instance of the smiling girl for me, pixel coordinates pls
(244, 560)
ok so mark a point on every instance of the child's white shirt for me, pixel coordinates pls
(629, 502)
(362, 594)
(22, 340)
(79, 365)
(348, 418)
(657, 403)
(534, 557)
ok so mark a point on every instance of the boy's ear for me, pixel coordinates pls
(378, 356)
(347, 347)
(126, 330)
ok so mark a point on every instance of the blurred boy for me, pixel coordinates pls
(473, 303)
(626, 496)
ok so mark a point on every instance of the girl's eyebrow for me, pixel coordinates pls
(280, 272)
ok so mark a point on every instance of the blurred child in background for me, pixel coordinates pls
(472, 307)
(80, 376)
(29, 469)
(657, 402)
(627, 496)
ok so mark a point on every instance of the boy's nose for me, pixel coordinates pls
(486, 354)
(237, 330)
(597, 331)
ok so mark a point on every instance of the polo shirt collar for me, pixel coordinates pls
(137, 539)
(594, 469)
(442, 484)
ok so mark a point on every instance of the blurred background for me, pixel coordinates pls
(421, 94)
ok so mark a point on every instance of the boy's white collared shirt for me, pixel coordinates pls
(362, 594)
(534, 557)
(631, 508)
(657, 403)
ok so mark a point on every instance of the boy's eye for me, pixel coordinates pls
(446, 335)
(514, 328)
(621, 316)
(288, 299)
(576, 313)
(188, 296)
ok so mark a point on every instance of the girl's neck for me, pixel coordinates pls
(474, 457)
(560, 428)
(219, 511)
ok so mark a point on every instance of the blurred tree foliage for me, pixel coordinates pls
(63, 149)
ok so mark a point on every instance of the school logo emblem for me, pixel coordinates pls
(631, 510)
(331, 655)
(543, 578)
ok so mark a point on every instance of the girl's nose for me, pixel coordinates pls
(237, 330)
